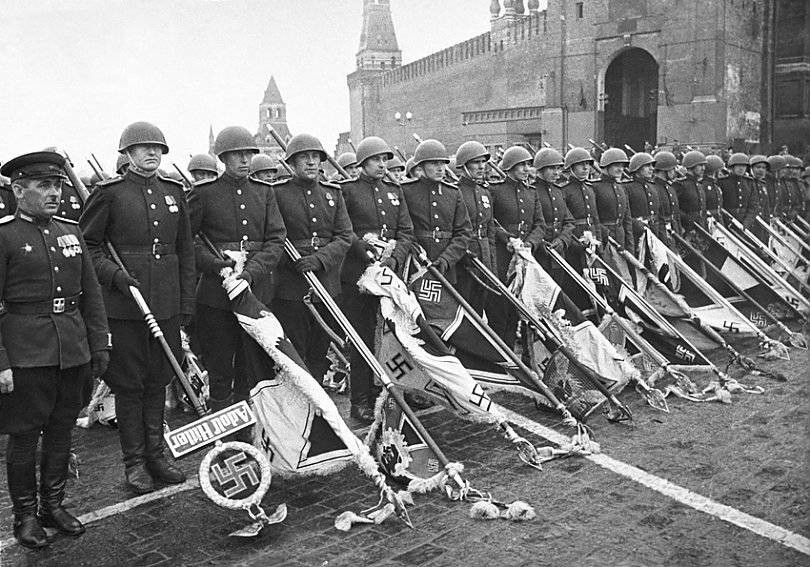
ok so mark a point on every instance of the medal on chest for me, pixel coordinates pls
(393, 198)
(74, 203)
(330, 199)
(171, 202)
(69, 243)
(485, 201)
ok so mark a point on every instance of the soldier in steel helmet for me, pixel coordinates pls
(471, 159)
(558, 219)
(144, 217)
(743, 196)
(237, 213)
(518, 214)
(264, 168)
(396, 168)
(53, 339)
(319, 227)
(643, 197)
(778, 192)
(711, 188)
(665, 174)
(348, 161)
(376, 206)
(793, 170)
(202, 167)
(611, 198)
(691, 196)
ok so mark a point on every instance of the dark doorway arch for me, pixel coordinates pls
(631, 104)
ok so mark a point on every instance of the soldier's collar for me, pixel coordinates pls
(136, 177)
(32, 219)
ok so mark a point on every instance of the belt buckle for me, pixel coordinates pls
(58, 304)
(242, 248)
(436, 234)
(315, 242)
(156, 249)
(384, 233)
(482, 233)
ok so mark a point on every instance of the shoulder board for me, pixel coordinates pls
(448, 184)
(746, 176)
(281, 182)
(170, 180)
(204, 181)
(496, 183)
(6, 219)
(408, 181)
(64, 220)
(110, 181)
(332, 184)
(386, 181)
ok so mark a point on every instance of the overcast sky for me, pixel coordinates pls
(76, 72)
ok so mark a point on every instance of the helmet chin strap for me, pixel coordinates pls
(135, 169)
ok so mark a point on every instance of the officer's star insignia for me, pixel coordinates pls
(27, 248)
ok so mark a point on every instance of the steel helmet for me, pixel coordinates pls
(142, 133)
(639, 160)
(793, 161)
(235, 139)
(738, 159)
(514, 156)
(776, 162)
(575, 156)
(452, 163)
(714, 163)
(806, 172)
(665, 161)
(693, 158)
(394, 163)
(262, 162)
(759, 158)
(202, 162)
(304, 143)
(373, 146)
(612, 156)
(548, 157)
(469, 151)
(430, 150)
(409, 166)
(121, 163)
(347, 159)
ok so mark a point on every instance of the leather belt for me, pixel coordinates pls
(155, 249)
(584, 222)
(481, 233)
(246, 245)
(56, 305)
(436, 234)
(609, 223)
(314, 242)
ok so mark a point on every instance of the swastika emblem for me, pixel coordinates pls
(398, 366)
(731, 326)
(237, 471)
(596, 275)
(266, 446)
(684, 354)
(758, 319)
(480, 398)
(430, 290)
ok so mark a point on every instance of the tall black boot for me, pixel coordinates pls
(22, 486)
(53, 472)
(156, 463)
(129, 414)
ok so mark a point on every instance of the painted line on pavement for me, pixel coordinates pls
(678, 493)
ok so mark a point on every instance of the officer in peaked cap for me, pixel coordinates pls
(319, 227)
(611, 198)
(518, 214)
(376, 207)
(53, 339)
(471, 159)
(236, 213)
(143, 216)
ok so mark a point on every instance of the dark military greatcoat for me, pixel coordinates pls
(692, 201)
(743, 198)
(441, 224)
(519, 214)
(614, 211)
(478, 200)
(236, 214)
(314, 213)
(670, 208)
(558, 219)
(581, 201)
(645, 206)
(714, 197)
(377, 207)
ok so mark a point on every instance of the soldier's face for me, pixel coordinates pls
(740, 169)
(38, 197)
(237, 163)
(759, 170)
(615, 170)
(551, 174)
(397, 173)
(580, 170)
(202, 175)
(646, 171)
(374, 167)
(145, 157)
(698, 170)
(307, 164)
(476, 168)
(266, 175)
(352, 170)
(434, 170)
(520, 171)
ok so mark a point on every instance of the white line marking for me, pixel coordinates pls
(678, 493)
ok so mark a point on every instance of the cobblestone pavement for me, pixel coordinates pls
(751, 455)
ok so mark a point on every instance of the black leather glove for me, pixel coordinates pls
(122, 281)
(442, 265)
(98, 362)
(389, 263)
(219, 265)
(307, 264)
(186, 319)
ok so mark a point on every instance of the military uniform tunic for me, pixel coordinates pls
(558, 219)
(51, 319)
(478, 200)
(714, 197)
(519, 213)
(8, 202)
(670, 210)
(614, 211)
(581, 201)
(692, 201)
(743, 198)
(70, 205)
(645, 206)
(778, 195)
(441, 224)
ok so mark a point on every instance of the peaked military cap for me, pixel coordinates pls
(36, 165)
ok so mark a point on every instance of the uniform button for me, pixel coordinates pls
(156, 240)
(314, 234)
(149, 191)
(46, 231)
(314, 219)
(152, 206)
(309, 192)
(434, 203)
(379, 200)
(244, 221)
(238, 191)
(53, 249)
(155, 223)
(244, 237)
(435, 216)
(59, 288)
(157, 256)
(242, 206)
(56, 268)
(382, 212)
(433, 192)
(312, 205)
